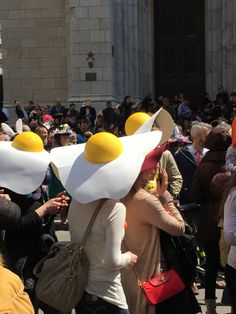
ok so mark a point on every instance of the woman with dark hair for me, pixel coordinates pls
(61, 135)
(125, 110)
(208, 193)
(61, 138)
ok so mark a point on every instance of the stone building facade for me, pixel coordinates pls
(99, 49)
(48, 44)
(220, 44)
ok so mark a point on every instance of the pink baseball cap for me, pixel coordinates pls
(47, 117)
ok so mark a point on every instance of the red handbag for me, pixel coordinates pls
(162, 287)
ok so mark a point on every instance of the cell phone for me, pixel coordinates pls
(160, 177)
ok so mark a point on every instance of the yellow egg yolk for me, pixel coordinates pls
(28, 141)
(103, 147)
(135, 121)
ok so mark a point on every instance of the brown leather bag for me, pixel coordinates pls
(63, 273)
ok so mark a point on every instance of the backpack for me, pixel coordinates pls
(63, 273)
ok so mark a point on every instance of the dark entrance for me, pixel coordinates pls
(180, 48)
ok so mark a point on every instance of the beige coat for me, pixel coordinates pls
(175, 179)
(145, 216)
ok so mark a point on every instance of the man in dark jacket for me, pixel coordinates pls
(188, 158)
(57, 111)
(3, 115)
(88, 112)
(109, 116)
(222, 96)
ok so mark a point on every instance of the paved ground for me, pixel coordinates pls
(64, 236)
(220, 308)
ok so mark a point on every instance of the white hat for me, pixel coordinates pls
(23, 163)
(104, 167)
(141, 122)
(62, 129)
(8, 130)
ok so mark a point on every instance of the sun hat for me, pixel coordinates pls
(105, 167)
(140, 122)
(9, 131)
(23, 163)
(180, 139)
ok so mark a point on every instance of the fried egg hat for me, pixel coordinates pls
(104, 167)
(141, 122)
(23, 163)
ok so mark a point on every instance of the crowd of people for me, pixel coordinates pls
(173, 155)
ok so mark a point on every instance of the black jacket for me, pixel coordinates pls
(92, 114)
(187, 167)
(25, 239)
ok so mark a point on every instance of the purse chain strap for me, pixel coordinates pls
(134, 268)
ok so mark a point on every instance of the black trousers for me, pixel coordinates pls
(91, 304)
(212, 266)
(230, 278)
(184, 302)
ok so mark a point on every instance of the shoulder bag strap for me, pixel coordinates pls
(91, 222)
(134, 268)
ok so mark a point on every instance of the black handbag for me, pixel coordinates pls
(180, 254)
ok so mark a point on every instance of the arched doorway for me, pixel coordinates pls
(180, 48)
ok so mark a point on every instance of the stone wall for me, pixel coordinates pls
(90, 27)
(220, 45)
(34, 50)
(46, 45)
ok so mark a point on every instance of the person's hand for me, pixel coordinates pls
(64, 199)
(162, 187)
(176, 203)
(133, 260)
(44, 188)
(3, 196)
(53, 206)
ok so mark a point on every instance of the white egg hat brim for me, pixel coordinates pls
(165, 123)
(22, 171)
(87, 182)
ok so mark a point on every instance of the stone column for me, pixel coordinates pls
(134, 52)
(220, 45)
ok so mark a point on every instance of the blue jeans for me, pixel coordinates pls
(91, 304)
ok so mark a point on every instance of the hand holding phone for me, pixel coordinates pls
(162, 182)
